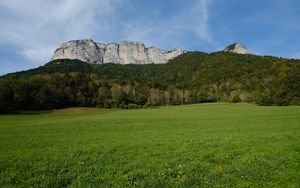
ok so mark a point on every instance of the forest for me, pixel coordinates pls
(194, 77)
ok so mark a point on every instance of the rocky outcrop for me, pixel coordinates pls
(237, 48)
(124, 53)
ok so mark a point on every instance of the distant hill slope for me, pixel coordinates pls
(190, 78)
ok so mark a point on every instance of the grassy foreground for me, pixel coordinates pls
(207, 145)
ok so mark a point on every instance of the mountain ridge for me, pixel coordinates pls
(127, 52)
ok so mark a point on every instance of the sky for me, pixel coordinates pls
(31, 30)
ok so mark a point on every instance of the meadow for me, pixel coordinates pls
(202, 145)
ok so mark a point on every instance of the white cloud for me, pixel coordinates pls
(202, 12)
(166, 32)
(36, 55)
(34, 28)
(37, 27)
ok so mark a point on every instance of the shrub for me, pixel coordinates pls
(134, 106)
(236, 99)
(262, 98)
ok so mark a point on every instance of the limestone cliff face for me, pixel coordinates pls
(124, 53)
(237, 48)
(84, 50)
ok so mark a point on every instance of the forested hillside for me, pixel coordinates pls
(193, 77)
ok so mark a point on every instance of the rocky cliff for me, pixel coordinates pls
(237, 48)
(124, 53)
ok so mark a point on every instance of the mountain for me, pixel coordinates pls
(126, 52)
(236, 48)
(193, 77)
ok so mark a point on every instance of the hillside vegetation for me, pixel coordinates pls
(206, 145)
(194, 77)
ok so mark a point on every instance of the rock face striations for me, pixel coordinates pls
(237, 48)
(124, 53)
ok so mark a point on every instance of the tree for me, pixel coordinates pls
(6, 96)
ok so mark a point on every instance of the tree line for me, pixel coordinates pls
(193, 77)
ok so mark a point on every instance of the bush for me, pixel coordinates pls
(134, 106)
(236, 99)
(262, 99)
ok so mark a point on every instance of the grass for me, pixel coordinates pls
(206, 145)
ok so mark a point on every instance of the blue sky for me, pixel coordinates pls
(31, 30)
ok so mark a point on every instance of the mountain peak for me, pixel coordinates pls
(236, 48)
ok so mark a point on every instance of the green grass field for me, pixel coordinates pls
(206, 145)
